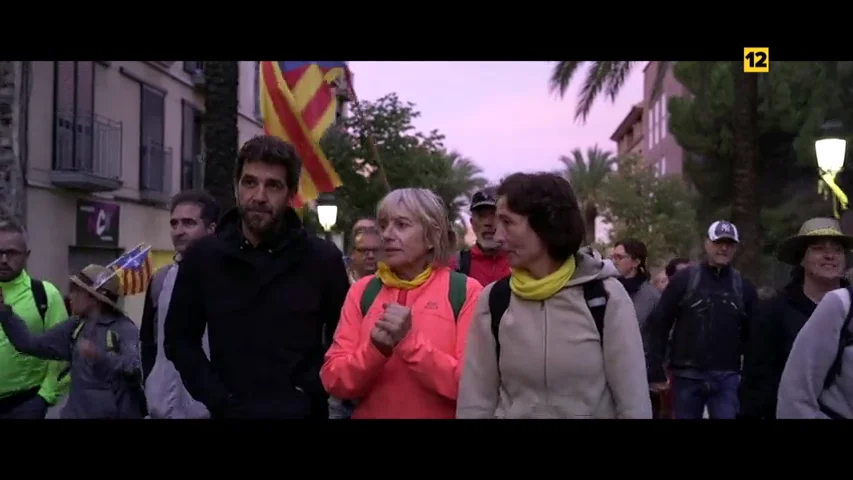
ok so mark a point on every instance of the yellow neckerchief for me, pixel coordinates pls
(529, 288)
(390, 279)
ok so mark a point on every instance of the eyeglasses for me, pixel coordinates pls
(12, 254)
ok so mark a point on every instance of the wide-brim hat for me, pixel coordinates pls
(100, 282)
(792, 249)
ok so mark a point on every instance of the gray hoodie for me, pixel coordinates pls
(553, 363)
(164, 390)
(801, 392)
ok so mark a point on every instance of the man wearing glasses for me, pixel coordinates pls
(366, 245)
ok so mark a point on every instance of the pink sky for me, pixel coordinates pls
(500, 114)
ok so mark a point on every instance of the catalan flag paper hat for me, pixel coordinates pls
(101, 282)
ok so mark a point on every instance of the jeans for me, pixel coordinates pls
(717, 390)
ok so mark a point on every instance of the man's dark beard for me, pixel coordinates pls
(278, 224)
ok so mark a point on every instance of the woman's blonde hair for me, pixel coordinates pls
(428, 209)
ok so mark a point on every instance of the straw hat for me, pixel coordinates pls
(792, 249)
(101, 282)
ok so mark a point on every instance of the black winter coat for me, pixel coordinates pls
(270, 311)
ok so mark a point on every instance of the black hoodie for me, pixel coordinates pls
(770, 342)
(266, 308)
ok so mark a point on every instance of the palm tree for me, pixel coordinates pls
(220, 129)
(587, 175)
(746, 206)
(466, 177)
(610, 77)
(607, 76)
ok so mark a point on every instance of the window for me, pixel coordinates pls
(661, 167)
(662, 124)
(74, 115)
(192, 67)
(256, 89)
(650, 125)
(153, 155)
(192, 146)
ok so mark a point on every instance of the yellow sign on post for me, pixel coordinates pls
(756, 59)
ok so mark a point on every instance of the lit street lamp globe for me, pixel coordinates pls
(327, 211)
(831, 148)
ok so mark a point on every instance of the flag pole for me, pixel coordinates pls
(371, 140)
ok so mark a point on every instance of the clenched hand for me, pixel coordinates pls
(396, 320)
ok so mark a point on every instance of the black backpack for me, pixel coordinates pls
(39, 297)
(593, 292)
(463, 262)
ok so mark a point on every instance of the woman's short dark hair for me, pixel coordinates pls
(273, 151)
(549, 203)
(673, 265)
(637, 250)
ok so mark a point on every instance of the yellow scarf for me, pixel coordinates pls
(390, 279)
(529, 288)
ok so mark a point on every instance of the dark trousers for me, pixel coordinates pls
(24, 405)
(717, 390)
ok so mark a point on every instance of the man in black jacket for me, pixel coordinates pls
(708, 308)
(266, 290)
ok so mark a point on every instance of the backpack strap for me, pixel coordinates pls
(844, 340)
(596, 299)
(499, 298)
(692, 283)
(463, 262)
(737, 288)
(157, 281)
(74, 334)
(40, 298)
(370, 292)
(77, 330)
(113, 341)
(458, 292)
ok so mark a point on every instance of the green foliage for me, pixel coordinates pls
(656, 210)
(409, 158)
(794, 100)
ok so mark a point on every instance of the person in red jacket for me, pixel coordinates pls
(485, 262)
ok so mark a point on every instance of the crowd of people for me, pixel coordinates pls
(258, 318)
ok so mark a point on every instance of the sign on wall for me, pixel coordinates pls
(97, 223)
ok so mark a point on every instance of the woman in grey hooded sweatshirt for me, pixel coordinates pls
(818, 378)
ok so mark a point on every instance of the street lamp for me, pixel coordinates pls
(830, 150)
(327, 211)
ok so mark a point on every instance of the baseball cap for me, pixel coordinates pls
(723, 229)
(484, 198)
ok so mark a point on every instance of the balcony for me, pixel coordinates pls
(86, 152)
(155, 173)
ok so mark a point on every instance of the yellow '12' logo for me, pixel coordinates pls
(756, 60)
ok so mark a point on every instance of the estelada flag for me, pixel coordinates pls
(298, 104)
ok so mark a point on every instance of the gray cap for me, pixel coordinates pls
(723, 229)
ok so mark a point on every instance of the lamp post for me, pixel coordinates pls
(327, 213)
(830, 150)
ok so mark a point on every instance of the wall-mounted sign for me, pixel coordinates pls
(97, 223)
